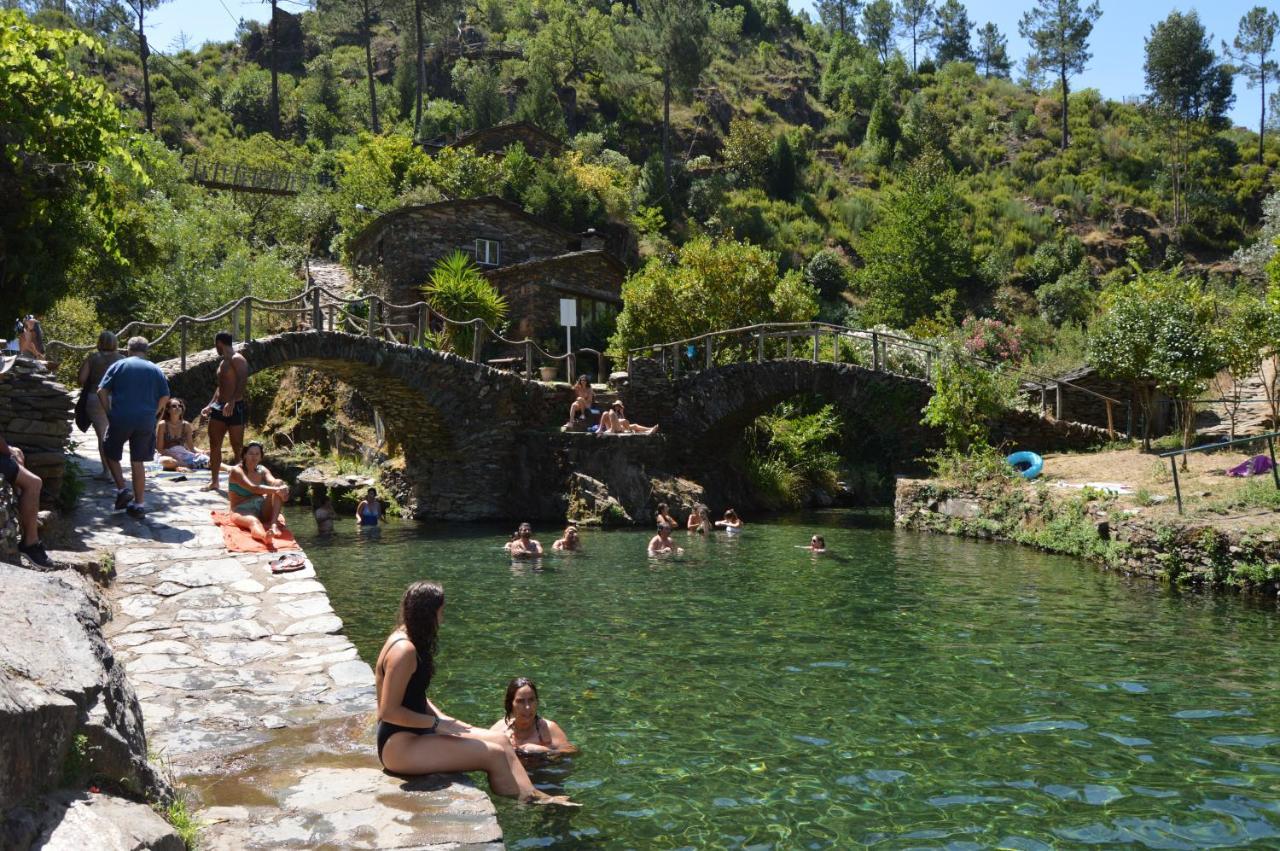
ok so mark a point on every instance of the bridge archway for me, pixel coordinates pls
(456, 420)
(709, 410)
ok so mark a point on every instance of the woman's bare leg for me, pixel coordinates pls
(270, 509)
(252, 525)
(406, 753)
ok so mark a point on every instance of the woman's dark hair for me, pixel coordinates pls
(662, 507)
(250, 445)
(512, 687)
(418, 615)
(729, 512)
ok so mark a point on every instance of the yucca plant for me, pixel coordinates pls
(457, 291)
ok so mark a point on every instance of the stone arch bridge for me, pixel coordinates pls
(476, 439)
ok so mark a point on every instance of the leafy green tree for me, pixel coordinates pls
(783, 170)
(139, 9)
(966, 397)
(1068, 298)
(746, 151)
(486, 107)
(1190, 87)
(952, 33)
(839, 15)
(883, 130)
(1250, 50)
(1157, 332)
(711, 285)
(828, 273)
(914, 18)
(1058, 31)
(673, 34)
(993, 52)
(916, 253)
(457, 290)
(61, 140)
(878, 18)
(539, 105)
(1247, 340)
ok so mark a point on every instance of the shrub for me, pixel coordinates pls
(456, 289)
(992, 339)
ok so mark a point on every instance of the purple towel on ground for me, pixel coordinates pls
(1255, 466)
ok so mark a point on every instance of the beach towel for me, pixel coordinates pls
(1255, 466)
(238, 540)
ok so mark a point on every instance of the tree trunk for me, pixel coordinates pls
(666, 129)
(144, 52)
(1262, 120)
(422, 70)
(1062, 76)
(275, 80)
(368, 68)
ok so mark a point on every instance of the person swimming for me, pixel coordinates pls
(661, 543)
(369, 511)
(731, 522)
(414, 736)
(525, 545)
(663, 515)
(698, 521)
(569, 542)
(528, 732)
(817, 544)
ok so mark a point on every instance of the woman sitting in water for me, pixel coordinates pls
(664, 516)
(586, 397)
(569, 543)
(661, 543)
(173, 439)
(731, 522)
(698, 521)
(369, 511)
(817, 544)
(527, 731)
(255, 495)
(325, 515)
(524, 546)
(414, 736)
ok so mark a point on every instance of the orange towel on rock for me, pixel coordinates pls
(238, 540)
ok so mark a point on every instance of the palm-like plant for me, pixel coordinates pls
(457, 291)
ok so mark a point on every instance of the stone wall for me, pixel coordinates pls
(35, 415)
(1018, 430)
(404, 245)
(67, 713)
(1186, 553)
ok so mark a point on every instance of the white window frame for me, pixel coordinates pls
(488, 252)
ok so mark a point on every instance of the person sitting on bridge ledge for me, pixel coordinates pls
(613, 422)
(581, 406)
(255, 495)
(27, 484)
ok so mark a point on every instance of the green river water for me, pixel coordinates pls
(904, 691)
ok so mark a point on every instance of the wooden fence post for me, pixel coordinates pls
(248, 319)
(182, 336)
(760, 347)
(528, 359)
(815, 346)
(711, 352)
(875, 351)
(477, 342)
(372, 308)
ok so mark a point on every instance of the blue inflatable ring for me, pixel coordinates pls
(1029, 464)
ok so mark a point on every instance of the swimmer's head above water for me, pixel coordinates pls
(521, 700)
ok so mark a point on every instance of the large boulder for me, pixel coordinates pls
(78, 821)
(67, 713)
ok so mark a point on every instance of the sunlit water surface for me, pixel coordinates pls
(905, 691)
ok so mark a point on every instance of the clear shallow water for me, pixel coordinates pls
(908, 691)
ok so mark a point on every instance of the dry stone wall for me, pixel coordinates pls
(35, 415)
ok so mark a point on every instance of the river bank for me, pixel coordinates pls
(1236, 553)
(253, 701)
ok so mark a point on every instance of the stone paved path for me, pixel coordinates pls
(250, 692)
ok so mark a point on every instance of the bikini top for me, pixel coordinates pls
(169, 439)
(239, 489)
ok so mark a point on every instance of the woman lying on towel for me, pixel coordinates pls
(256, 495)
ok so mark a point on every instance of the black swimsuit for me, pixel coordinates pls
(415, 700)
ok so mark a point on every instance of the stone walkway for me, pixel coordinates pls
(251, 695)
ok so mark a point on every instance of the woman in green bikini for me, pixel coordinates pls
(256, 495)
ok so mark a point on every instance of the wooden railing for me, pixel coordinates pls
(318, 308)
(822, 342)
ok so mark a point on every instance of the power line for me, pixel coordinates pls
(228, 11)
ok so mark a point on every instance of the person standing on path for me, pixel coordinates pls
(90, 376)
(133, 392)
(226, 410)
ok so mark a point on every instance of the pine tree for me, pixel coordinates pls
(914, 17)
(877, 25)
(993, 52)
(839, 15)
(1255, 38)
(1058, 31)
(952, 33)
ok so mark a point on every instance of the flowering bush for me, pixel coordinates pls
(992, 339)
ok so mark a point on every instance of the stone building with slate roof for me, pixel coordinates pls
(531, 262)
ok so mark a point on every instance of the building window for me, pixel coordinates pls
(488, 252)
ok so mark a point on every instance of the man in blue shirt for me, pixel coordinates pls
(133, 393)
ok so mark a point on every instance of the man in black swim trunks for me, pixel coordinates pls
(226, 410)
(27, 484)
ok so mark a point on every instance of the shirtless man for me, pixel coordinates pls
(586, 397)
(525, 545)
(226, 410)
(661, 543)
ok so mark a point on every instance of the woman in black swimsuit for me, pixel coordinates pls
(414, 736)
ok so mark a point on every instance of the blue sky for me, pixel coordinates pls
(1117, 42)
